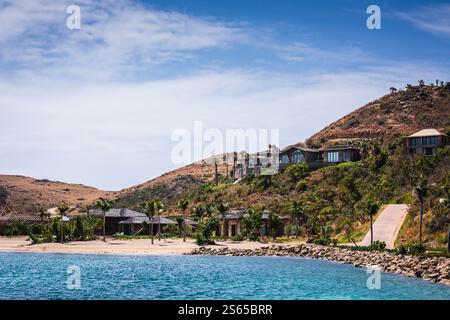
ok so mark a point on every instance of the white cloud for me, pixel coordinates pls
(116, 37)
(116, 135)
(434, 19)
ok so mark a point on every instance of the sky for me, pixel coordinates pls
(99, 105)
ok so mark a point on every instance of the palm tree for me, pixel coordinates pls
(159, 207)
(223, 208)
(371, 207)
(448, 240)
(62, 208)
(183, 204)
(149, 210)
(88, 208)
(298, 212)
(421, 190)
(105, 205)
(42, 213)
(198, 212)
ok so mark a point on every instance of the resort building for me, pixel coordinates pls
(426, 142)
(296, 154)
(317, 158)
(257, 163)
(141, 225)
(130, 222)
(230, 223)
(339, 154)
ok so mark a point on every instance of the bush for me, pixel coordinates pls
(296, 171)
(251, 224)
(322, 242)
(17, 228)
(402, 249)
(378, 246)
(416, 248)
(238, 237)
(205, 231)
(412, 248)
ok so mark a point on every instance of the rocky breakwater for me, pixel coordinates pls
(434, 269)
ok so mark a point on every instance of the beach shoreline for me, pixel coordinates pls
(22, 244)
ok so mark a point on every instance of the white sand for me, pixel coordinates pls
(132, 247)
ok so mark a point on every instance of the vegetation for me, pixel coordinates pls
(105, 205)
(62, 209)
(149, 209)
(205, 231)
(251, 225)
(421, 192)
(183, 204)
(4, 195)
(371, 207)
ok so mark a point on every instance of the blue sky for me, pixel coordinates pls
(98, 105)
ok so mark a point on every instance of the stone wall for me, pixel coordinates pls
(434, 269)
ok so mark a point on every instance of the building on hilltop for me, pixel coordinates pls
(426, 142)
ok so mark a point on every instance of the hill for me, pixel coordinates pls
(25, 194)
(333, 195)
(399, 113)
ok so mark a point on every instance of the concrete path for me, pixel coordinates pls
(387, 225)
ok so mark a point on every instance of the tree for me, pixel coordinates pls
(274, 224)
(159, 207)
(252, 224)
(183, 204)
(62, 209)
(421, 190)
(205, 231)
(43, 213)
(4, 194)
(105, 205)
(392, 89)
(198, 212)
(371, 207)
(448, 240)
(421, 83)
(347, 227)
(149, 210)
(298, 213)
(297, 171)
(88, 208)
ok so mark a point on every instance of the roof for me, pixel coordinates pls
(239, 213)
(341, 147)
(299, 148)
(141, 220)
(21, 217)
(190, 222)
(118, 213)
(426, 133)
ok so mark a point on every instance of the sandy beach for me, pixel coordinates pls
(131, 247)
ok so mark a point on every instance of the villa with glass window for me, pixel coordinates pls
(426, 142)
(340, 154)
(317, 158)
(297, 154)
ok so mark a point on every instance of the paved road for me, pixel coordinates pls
(387, 225)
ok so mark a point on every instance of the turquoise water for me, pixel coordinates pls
(44, 276)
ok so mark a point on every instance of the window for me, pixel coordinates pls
(429, 151)
(346, 155)
(284, 159)
(415, 142)
(298, 157)
(333, 156)
(429, 141)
